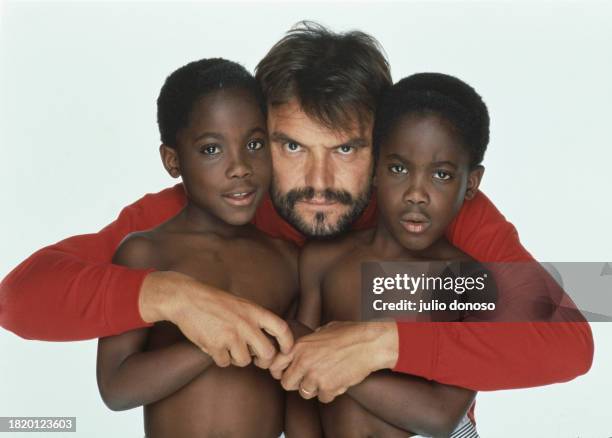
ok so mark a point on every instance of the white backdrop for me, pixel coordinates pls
(78, 135)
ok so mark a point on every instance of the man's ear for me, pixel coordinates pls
(170, 160)
(473, 182)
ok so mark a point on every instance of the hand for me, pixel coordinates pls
(335, 357)
(228, 328)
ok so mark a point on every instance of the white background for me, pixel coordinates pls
(78, 135)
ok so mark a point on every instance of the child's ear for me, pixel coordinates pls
(473, 182)
(170, 159)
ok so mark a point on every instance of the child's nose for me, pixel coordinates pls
(416, 193)
(239, 168)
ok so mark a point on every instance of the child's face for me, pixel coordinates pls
(223, 155)
(422, 179)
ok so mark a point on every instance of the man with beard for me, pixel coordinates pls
(322, 89)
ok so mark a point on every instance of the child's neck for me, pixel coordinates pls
(194, 219)
(386, 246)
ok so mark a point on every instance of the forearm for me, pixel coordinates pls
(149, 376)
(411, 403)
(57, 296)
(512, 354)
(492, 356)
(71, 291)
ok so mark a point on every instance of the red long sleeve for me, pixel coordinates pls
(491, 356)
(71, 291)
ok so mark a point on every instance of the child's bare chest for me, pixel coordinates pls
(245, 269)
(341, 293)
(248, 277)
(253, 272)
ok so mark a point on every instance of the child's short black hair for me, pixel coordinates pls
(439, 94)
(185, 86)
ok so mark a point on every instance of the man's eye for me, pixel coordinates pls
(346, 149)
(255, 145)
(398, 168)
(292, 146)
(442, 175)
(211, 149)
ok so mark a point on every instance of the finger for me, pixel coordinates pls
(342, 391)
(280, 364)
(240, 354)
(221, 357)
(326, 397)
(327, 326)
(278, 328)
(308, 388)
(307, 394)
(293, 376)
(261, 347)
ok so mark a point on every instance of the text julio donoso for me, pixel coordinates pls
(419, 284)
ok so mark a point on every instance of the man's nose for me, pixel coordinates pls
(319, 173)
(416, 192)
(239, 166)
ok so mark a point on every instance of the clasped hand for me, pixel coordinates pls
(328, 361)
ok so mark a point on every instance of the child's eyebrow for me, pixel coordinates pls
(218, 136)
(257, 129)
(445, 162)
(433, 164)
(214, 135)
(397, 157)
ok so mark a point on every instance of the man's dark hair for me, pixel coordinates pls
(185, 86)
(337, 78)
(437, 94)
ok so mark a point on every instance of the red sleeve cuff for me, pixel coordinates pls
(121, 307)
(418, 346)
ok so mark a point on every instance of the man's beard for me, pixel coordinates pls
(321, 228)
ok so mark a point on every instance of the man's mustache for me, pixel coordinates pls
(307, 193)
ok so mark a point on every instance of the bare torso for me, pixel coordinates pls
(341, 301)
(224, 402)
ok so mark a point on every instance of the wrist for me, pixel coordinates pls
(384, 343)
(161, 295)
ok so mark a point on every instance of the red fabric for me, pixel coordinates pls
(70, 291)
(489, 356)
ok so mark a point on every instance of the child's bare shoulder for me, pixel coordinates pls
(138, 250)
(284, 247)
(287, 250)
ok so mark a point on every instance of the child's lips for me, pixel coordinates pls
(240, 197)
(415, 223)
